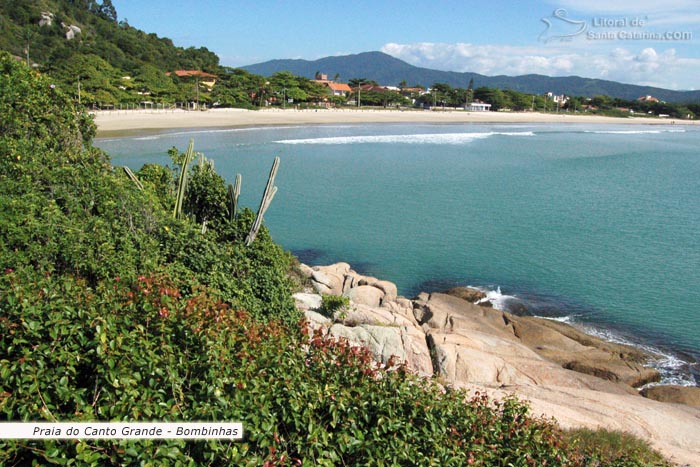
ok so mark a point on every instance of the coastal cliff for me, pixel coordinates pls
(576, 378)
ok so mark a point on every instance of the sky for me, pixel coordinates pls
(644, 42)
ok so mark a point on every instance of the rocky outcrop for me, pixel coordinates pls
(72, 30)
(470, 294)
(46, 18)
(467, 343)
(674, 394)
(576, 351)
(577, 378)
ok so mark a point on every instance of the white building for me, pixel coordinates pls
(478, 107)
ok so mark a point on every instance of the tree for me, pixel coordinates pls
(107, 11)
(492, 96)
(470, 91)
(288, 86)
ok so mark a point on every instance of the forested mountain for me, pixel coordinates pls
(389, 70)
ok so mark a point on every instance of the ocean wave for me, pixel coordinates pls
(634, 132)
(422, 138)
(497, 298)
(673, 369)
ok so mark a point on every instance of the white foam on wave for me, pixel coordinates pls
(422, 138)
(147, 138)
(673, 369)
(497, 298)
(560, 319)
(634, 132)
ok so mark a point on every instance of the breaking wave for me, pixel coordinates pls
(431, 138)
(634, 132)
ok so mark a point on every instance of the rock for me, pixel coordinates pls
(316, 320)
(481, 358)
(597, 358)
(402, 307)
(307, 301)
(73, 30)
(367, 280)
(46, 18)
(406, 344)
(447, 313)
(350, 280)
(325, 283)
(330, 279)
(688, 395)
(459, 359)
(382, 341)
(466, 293)
(389, 289)
(365, 314)
(366, 295)
(305, 271)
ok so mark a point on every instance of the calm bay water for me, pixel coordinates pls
(598, 224)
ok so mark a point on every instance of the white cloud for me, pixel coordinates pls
(648, 66)
(627, 6)
(654, 12)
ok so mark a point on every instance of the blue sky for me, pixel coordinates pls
(646, 42)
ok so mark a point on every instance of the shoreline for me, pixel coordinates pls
(561, 372)
(115, 123)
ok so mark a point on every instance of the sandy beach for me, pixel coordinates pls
(117, 122)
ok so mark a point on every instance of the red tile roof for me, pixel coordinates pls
(339, 87)
(201, 74)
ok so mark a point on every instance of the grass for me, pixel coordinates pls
(602, 447)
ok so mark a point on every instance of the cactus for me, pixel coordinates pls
(234, 191)
(182, 180)
(133, 178)
(268, 194)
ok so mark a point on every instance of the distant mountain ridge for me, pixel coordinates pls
(388, 70)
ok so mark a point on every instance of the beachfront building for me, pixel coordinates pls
(336, 89)
(478, 107)
(647, 99)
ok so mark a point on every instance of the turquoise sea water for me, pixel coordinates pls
(596, 224)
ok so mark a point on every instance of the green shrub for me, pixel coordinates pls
(601, 447)
(331, 304)
(143, 352)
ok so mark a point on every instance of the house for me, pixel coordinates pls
(559, 99)
(372, 87)
(478, 107)
(206, 79)
(647, 99)
(338, 89)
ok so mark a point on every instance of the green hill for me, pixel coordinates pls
(82, 45)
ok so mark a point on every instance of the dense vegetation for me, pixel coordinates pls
(114, 309)
(113, 63)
